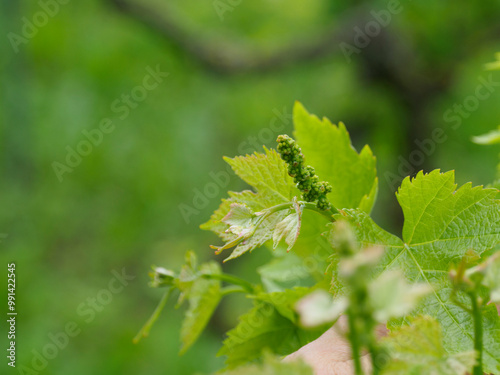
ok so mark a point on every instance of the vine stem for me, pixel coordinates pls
(232, 280)
(232, 289)
(372, 348)
(308, 205)
(153, 318)
(353, 338)
(311, 206)
(478, 333)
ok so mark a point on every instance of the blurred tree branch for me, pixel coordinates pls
(223, 57)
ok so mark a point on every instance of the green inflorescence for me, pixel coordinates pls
(303, 175)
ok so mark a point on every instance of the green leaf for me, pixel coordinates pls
(285, 301)
(254, 237)
(441, 225)
(328, 149)
(204, 296)
(284, 271)
(161, 277)
(311, 246)
(418, 349)
(263, 327)
(202, 293)
(267, 174)
(447, 220)
(216, 225)
(187, 276)
(289, 227)
(369, 235)
(239, 216)
(273, 366)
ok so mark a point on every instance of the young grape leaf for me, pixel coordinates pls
(250, 238)
(265, 327)
(216, 225)
(418, 349)
(441, 225)
(289, 227)
(239, 216)
(268, 175)
(195, 285)
(203, 296)
(243, 224)
(161, 277)
(328, 149)
(273, 366)
(187, 276)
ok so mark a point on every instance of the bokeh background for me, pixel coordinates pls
(232, 67)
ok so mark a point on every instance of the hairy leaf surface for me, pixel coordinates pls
(204, 296)
(270, 324)
(268, 175)
(418, 349)
(289, 227)
(441, 225)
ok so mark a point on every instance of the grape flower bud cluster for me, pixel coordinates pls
(304, 176)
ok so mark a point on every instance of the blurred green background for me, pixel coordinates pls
(230, 72)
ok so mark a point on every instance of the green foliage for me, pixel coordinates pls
(203, 297)
(373, 275)
(267, 174)
(271, 324)
(441, 225)
(289, 227)
(284, 271)
(200, 286)
(418, 349)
